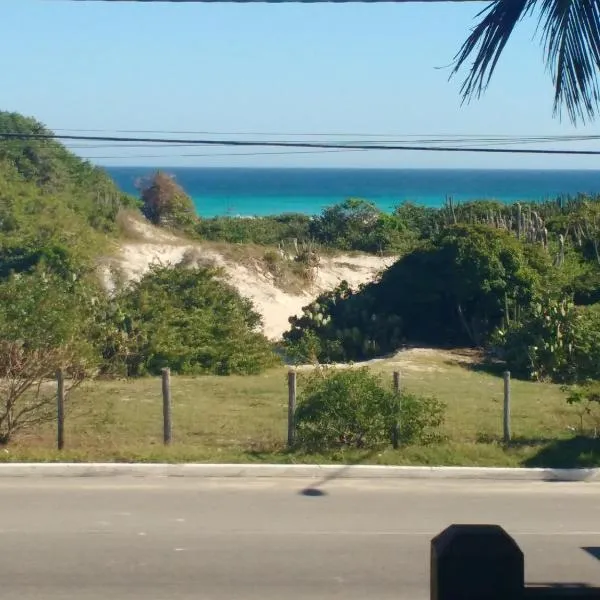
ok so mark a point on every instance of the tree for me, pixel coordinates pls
(570, 33)
(165, 202)
(27, 393)
(44, 323)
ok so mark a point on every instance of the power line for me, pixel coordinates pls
(221, 154)
(297, 144)
(506, 142)
(388, 136)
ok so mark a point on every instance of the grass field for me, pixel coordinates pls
(233, 419)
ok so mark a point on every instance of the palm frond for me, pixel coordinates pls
(571, 37)
(489, 39)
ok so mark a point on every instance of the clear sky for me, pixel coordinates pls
(289, 68)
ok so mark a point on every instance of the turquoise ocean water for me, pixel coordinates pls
(258, 192)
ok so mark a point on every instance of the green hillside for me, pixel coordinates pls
(54, 206)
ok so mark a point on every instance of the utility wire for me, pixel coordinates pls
(389, 137)
(299, 144)
(506, 142)
(217, 155)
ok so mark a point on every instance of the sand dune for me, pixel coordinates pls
(156, 246)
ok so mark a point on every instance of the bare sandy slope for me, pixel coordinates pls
(417, 359)
(155, 246)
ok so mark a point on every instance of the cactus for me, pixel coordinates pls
(561, 250)
(450, 207)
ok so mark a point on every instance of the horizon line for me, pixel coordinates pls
(352, 168)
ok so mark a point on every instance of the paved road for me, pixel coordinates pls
(148, 539)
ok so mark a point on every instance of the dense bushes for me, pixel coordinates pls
(342, 326)
(353, 408)
(45, 311)
(358, 225)
(40, 229)
(499, 283)
(454, 291)
(185, 319)
(554, 340)
(353, 225)
(46, 165)
(188, 320)
(55, 208)
(268, 231)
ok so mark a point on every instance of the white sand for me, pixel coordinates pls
(157, 246)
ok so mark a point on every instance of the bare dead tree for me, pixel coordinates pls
(27, 385)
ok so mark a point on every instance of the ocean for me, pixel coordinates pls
(259, 192)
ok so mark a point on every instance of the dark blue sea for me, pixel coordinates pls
(258, 192)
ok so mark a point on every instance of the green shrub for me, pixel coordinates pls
(554, 340)
(586, 400)
(455, 290)
(48, 166)
(354, 408)
(359, 225)
(420, 419)
(341, 326)
(45, 311)
(189, 320)
(267, 231)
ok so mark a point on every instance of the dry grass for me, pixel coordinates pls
(235, 419)
(287, 275)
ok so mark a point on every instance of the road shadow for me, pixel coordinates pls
(315, 490)
(312, 492)
(577, 452)
(569, 453)
(592, 551)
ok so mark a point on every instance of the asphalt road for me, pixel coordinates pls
(121, 539)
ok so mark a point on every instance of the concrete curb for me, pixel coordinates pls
(292, 471)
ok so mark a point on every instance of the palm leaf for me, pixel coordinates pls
(489, 38)
(571, 38)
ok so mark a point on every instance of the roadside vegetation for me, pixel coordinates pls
(518, 285)
(244, 418)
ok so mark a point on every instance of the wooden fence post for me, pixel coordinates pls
(507, 433)
(291, 408)
(166, 394)
(396, 426)
(60, 409)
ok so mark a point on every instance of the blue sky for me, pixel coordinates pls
(289, 68)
